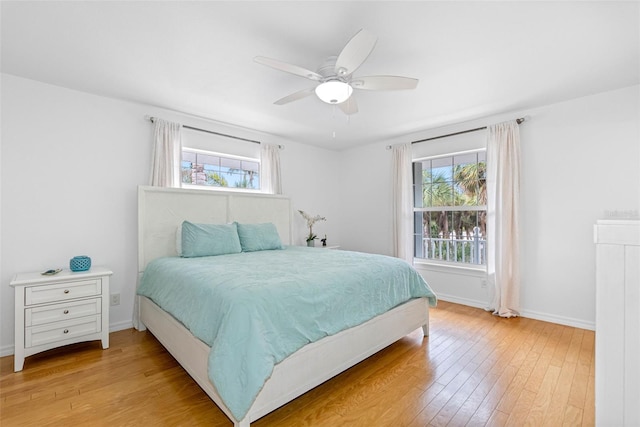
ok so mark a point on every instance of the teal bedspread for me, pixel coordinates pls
(255, 309)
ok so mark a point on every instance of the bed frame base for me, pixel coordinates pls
(307, 368)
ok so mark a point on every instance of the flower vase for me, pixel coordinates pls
(311, 243)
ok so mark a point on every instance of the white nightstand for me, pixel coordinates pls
(52, 311)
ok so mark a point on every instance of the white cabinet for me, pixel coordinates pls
(617, 372)
(52, 311)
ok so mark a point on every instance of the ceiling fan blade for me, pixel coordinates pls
(355, 52)
(384, 83)
(350, 106)
(288, 68)
(295, 96)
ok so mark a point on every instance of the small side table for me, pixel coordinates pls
(66, 308)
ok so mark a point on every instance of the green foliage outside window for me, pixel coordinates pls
(452, 208)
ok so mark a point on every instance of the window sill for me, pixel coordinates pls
(476, 271)
(221, 189)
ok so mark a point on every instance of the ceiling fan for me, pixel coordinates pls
(335, 77)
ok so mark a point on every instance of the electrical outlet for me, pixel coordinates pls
(115, 299)
(483, 284)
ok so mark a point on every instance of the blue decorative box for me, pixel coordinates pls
(80, 263)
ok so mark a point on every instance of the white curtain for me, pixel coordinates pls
(503, 196)
(270, 164)
(167, 151)
(402, 196)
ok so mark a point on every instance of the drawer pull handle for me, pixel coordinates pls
(66, 291)
(66, 331)
(66, 312)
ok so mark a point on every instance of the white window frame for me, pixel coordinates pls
(442, 264)
(224, 155)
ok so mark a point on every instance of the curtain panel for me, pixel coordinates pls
(167, 151)
(402, 196)
(503, 204)
(271, 181)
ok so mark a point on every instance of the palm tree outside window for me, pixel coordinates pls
(450, 212)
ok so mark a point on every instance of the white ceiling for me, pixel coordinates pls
(473, 59)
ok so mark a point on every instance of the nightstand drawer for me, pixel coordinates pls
(61, 331)
(62, 291)
(64, 311)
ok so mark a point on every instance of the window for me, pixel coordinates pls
(450, 208)
(209, 169)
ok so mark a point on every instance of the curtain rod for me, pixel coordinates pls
(151, 119)
(518, 121)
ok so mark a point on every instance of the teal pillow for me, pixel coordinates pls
(259, 237)
(209, 239)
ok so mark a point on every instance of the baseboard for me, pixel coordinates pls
(529, 314)
(8, 350)
(462, 301)
(125, 324)
(560, 320)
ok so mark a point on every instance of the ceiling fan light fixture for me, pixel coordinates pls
(334, 91)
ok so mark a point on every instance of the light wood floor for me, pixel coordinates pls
(475, 369)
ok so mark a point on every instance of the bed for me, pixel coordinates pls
(161, 212)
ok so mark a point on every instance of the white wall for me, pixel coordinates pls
(71, 163)
(365, 199)
(581, 162)
(310, 179)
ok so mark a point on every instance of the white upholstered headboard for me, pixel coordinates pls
(161, 210)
